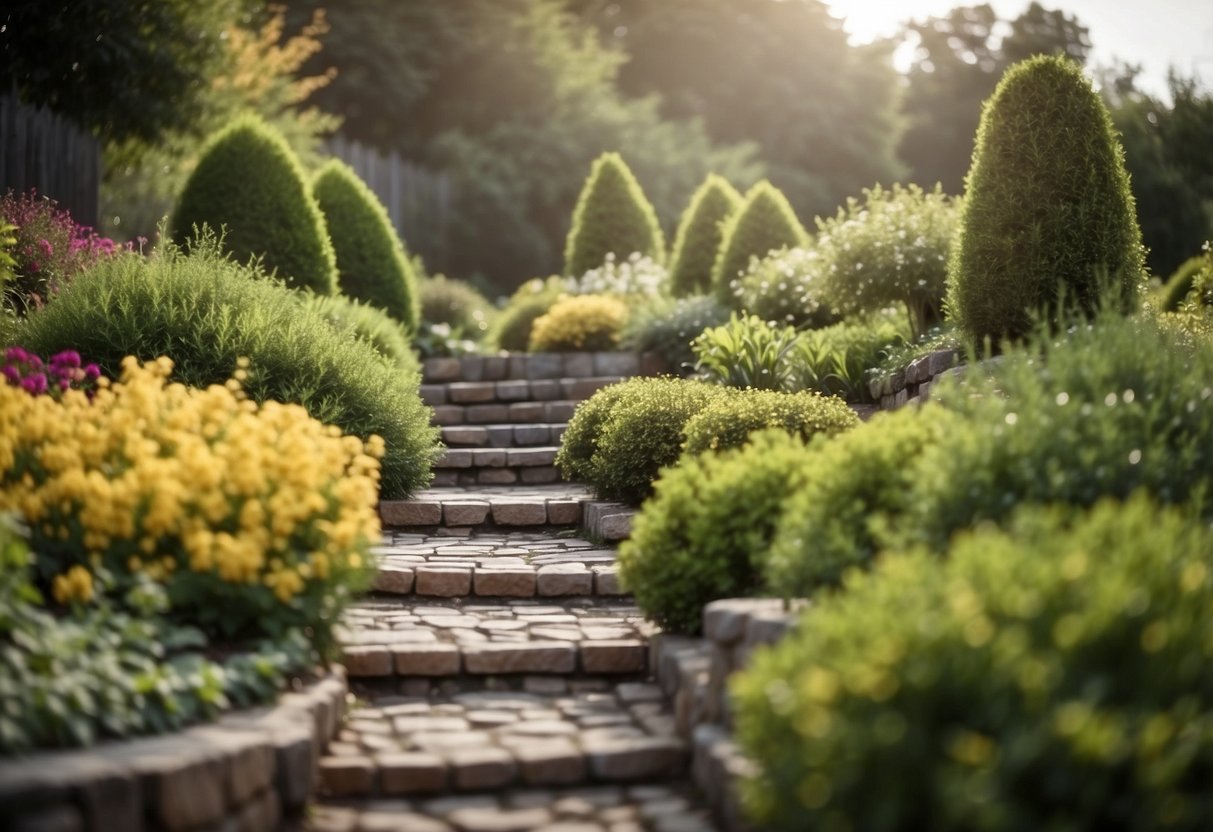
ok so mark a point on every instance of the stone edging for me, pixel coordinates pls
(244, 772)
(541, 365)
(694, 672)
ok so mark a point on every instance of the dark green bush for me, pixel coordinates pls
(668, 326)
(249, 183)
(619, 440)
(1113, 407)
(700, 232)
(511, 328)
(702, 534)
(455, 303)
(612, 216)
(1176, 289)
(371, 262)
(764, 223)
(370, 323)
(204, 311)
(726, 423)
(854, 486)
(1053, 676)
(1048, 216)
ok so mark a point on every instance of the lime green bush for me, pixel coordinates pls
(668, 326)
(786, 287)
(249, 184)
(612, 216)
(619, 449)
(1179, 284)
(371, 262)
(748, 352)
(699, 235)
(579, 323)
(890, 248)
(511, 328)
(1055, 675)
(1048, 216)
(703, 533)
(456, 303)
(204, 312)
(728, 422)
(855, 485)
(836, 359)
(369, 323)
(765, 222)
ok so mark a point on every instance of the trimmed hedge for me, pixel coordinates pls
(764, 223)
(371, 262)
(700, 233)
(727, 423)
(249, 183)
(612, 216)
(578, 324)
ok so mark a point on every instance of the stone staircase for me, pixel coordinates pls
(504, 680)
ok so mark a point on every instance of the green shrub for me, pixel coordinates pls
(612, 217)
(637, 279)
(699, 235)
(836, 360)
(668, 326)
(582, 323)
(632, 438)
(456, 303)
(890, 249)
(371, 262)
(511, 328)
(249, 183)
(369, 323)
(1052, 676)
(702, 534)
(1048, 216)
(748, 352)
(204, 312)
(726, 423)
(1179, 284)
(786, 287)
(1116, 406)
(854, 486)
(764, 223)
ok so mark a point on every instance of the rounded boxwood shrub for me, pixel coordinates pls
(579, 323)
(1052, 676)
(1048, 216)
(855, 485)
(204, 312)
(630, 431)
(370, 323)
(668, 326)
(371, 262)
(249, 183)
(511, 328)
(612, 216)
(765, 222)
(699, 235)
(726, 423)
(456, 303)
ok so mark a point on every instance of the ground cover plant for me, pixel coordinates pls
(668, 326)
(204, 312)
(765, 222)
(612, 216)
(700, 233)
(372, 264)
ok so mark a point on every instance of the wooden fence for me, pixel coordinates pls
(419, 200)
(43, 151)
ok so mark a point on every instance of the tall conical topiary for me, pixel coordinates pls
(700, 232)
(1048, 214)
(249, 182)
(764, 222)
(371, 262)
(612, 216)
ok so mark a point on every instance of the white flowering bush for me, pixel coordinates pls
(787, 287)
(636, 277)
(890, 248)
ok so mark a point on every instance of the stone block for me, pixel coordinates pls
(614, 656)
(445, 479)
(447, 414)
(617, 526)
(490, 457)
(393, 579)
(496, 476)
(433, 394)
(924, 392)
(409, 513)
(367, 661)
(541, 475)
(486, 414)
(496, 367)
(455, 458)
(520, 512)
(606, 581)
(414, 772)
(941, 360)
(505, 583)
(474, 435)
(502, 820)
(579, 389)
(530, 435)
(477, 769)
(544, 365)
(434, 659)
(564, 512)
(634, 758)
(558, 411)
(919, 370)
(553, 762)
(564, 579)
(516, 390)
(525, 412)
(578, 364)
(464, 513)
(724, 621)
(545, 390)
(493, 658)
(900, 398)
(441, 369)
(471, 367)
(500, 436)
(521, 457)
(443, 581)
(616, 364)
(347, 776)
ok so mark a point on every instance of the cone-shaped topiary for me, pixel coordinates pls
(249, 182)
(371, 263)
(1048, 214)
(699, 236)
(612, 216)
(764, 222)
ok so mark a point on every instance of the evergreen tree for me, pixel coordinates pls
(1048, 216)
(612, 217)
(764, 222)
(371, 262)
(699, 236)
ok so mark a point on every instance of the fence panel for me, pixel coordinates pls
(43, 151)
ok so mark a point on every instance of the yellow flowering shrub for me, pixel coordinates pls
(580, 322)
(256, 519)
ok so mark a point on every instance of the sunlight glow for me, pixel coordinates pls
(866, 20)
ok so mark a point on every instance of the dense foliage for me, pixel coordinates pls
(728, 422)
(368, 323)
(786, 287)
(581, 323)
(764, 223)
(668, 326)
(700, 233)
(612, 216)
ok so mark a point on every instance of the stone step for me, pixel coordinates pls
(538, 366)
(411, 645)
(486, 565)
(671, 806)
(480, 740)
(497, 413)
(497, 466)
(503, 436)
(510, 392)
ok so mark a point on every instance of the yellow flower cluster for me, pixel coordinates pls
(580, 322)
(157, 477)
(74, 585)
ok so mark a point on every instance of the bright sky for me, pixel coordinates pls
(1155, 33)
